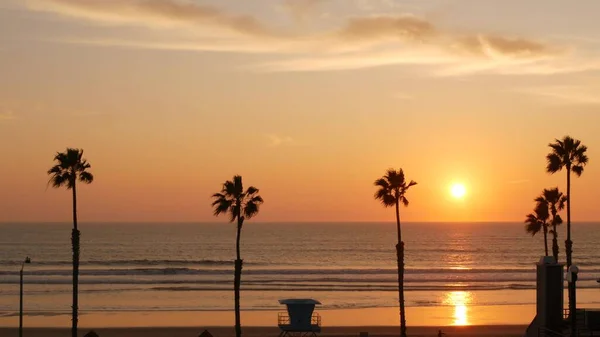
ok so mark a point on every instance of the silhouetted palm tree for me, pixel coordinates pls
(240, 205)
(569, 154)
(538, 222)
(554, 201)
(72, 167)
(392, 188)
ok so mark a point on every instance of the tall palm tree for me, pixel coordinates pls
(240, 205)
(70, 167)
(554, 201)
(538, 222)
(392, 188)
(569, 154)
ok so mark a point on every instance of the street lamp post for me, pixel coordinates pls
(572, 278)
(27, 260)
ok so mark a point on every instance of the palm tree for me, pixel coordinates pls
(553, 200)
(569, 154)
(538, 221)
(72, 167)
(392, 188)
(240, 205)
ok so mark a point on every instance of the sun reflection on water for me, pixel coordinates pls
(460, 300)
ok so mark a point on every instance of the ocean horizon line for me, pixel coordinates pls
(275, 222)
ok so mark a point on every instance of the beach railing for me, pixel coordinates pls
(283, 319)
(544, 332)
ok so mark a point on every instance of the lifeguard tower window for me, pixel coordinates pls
(300, 320)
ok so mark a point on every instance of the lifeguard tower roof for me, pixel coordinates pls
(299, 301)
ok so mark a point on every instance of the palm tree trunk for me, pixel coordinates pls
(237, 280)
(546, 240)
(400, 260)
(568, 242)
(555, 244)
(75, 236)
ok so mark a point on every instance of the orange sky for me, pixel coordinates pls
(310, 101)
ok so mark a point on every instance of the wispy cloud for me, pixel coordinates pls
(6, 115)
(519, 181)
(302, 9)
(276, 140)
(356, 43)
(402, 96)
(564, 94)
(153, 13)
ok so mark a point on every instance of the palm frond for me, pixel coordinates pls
(532, 224)
(580, 155)
(404, 201)
(554, 163)
(382, 193)
(251, 209)
(251, 190)
(382, 182)
(86, 177)
(386, 198)
(577, 169)
(221, 205)
(218, 195)
(55, 169)
(59, 180)
(557, 220)
(542, 213)
(561, 202)
(558, 148)
(229, 189)
(256, 199)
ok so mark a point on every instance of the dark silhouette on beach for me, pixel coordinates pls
(240, 205)
(72, 167)
(392, 191)
(568, 154)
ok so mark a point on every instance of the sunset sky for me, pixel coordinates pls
(309, 100)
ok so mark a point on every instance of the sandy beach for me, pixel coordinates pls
(351, 318)
(478, 321)
(490, 330)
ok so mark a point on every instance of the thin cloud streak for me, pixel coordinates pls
(7, 115)
(153, 13)
(275, 140)
(301, 10)
(564, 94)
(519, 182)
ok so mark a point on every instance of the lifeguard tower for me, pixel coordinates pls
(300, 320)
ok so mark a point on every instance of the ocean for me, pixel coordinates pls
(189, 267)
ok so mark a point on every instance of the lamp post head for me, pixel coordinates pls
(573, 269)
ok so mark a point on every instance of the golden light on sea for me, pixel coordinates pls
(460, 300)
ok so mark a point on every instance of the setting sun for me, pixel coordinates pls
(458, 191)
